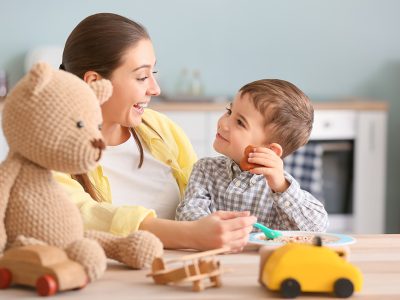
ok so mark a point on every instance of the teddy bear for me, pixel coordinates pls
(52, 121)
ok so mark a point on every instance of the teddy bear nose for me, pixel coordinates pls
(99, 144)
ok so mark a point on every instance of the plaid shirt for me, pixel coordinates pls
(218, 184)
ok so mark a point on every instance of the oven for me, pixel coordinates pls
(348, 156)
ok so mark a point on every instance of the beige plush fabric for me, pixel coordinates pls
(51, 122)
(136, 250)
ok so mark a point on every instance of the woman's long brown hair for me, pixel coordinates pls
(97, 44)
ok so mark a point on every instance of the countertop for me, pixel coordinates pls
(378, 257)
(347, 104)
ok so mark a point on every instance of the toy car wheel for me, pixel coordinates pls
(290, 288)
(343, 288)
(5, 278)
(46, 285)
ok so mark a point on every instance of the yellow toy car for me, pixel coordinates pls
(295, 268)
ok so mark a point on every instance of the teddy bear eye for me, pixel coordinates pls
(79, 124)
(100, 126)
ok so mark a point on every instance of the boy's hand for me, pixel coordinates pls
(271, 166)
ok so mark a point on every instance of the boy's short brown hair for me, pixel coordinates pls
(288, 112)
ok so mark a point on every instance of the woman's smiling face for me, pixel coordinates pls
(133, 83)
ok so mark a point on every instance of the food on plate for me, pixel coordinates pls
(303, 238)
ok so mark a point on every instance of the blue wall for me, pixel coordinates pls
(331, 49)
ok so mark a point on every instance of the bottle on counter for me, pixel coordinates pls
(183, 84)
(196, 87)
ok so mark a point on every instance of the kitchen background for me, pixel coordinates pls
(330, 49)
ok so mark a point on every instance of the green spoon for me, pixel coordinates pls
(269, 233)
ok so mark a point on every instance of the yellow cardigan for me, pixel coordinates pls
(173, 149)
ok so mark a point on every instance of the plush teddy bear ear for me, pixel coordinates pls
(102, 88)
(39, 75)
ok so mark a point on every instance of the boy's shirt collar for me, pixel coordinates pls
(234, 171)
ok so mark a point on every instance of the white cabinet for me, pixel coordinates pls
(334, 124)
(3, 144)
(194, 124)
(370, 172)
(200, 127)
(367, 130)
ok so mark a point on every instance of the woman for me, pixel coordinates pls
(110, 46)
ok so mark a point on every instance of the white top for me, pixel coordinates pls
(152, 186)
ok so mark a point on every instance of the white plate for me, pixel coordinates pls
(328, 239)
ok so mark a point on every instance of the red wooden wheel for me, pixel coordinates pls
(5, 278)
(46, 285)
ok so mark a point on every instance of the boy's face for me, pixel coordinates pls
(240, 126)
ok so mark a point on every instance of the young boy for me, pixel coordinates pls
(276, 117)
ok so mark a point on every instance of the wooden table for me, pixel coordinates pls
(378, 257)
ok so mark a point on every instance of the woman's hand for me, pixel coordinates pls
(223, 228)
(220, 229)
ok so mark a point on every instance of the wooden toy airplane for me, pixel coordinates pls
(196, 267)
